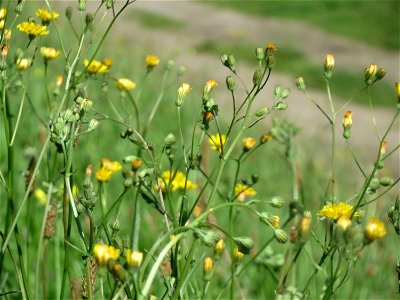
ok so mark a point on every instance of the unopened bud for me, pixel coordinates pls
(280, 235)
(244, 244)
(370, 73)
(248, 143)
(170, 139)
(386, 181)
(89, 19)
(329, 64)
(300, 84)
(136, 164)
(219, 247)
(238, 256)
(261, 112)
(343, 222)
(257, 77)
(231, 62)
(380, 74)
(260, 54)
(207, 268)
(265, 138)
(397, 86)
(93, 124)
(68, 12)
(270, 61)
(170, 64)
(20, 6)
(110, 3)
(181, 70)
(82, 5)
(230, 83)
(224, 60)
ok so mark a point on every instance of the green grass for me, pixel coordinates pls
(343, 83)
(155, 21)
(372, 22)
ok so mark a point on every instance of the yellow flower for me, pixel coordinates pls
(219, 247)
(33, 29)
(40, 196)
(3, 13)
(209, 86)
(384, 147)
(237, 255)
(329, 63)
(375, 229)
(207, 265)
(243, 191)
(49, 53)
(7, 34)
(265, 138)
(370, 72)
(183, 90)
(335, 211)
(152, 61)
(2, 24)
(95, 67)
(103, 253)
(347, 121)
(248, 143)
(270, 48)
(125, 84)
(108, 62)
(59, 81)
(107, 169)
(47, 16)
(217, 142)
(343, 222)
(23, 63)
(176, 183)
(134, 258)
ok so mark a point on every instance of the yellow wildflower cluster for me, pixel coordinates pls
(46, 16)
(217, 142)
(96, 67)
(335, 211)
(49, 53)
(103, 253)
(243, 191)
(107, 169)
(175, 183)
(125, 84)
(33, 29)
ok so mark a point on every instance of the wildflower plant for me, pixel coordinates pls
(169, 216)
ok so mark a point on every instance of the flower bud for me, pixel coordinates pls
(82, 5)
(136, 164)
(68, 12)
(183, 90)
(208, 87)
(170, 139)
(329, 64)
(281, 106)
(343, 222)
(260, 54)
(93, 124)
(270, 48)
(237, 255)
(207, 268)
(20, 6)
(261, 112)
(386, 181)
(89, 19)
(224, 60)
(265, 138)
(270, 219)
(209, 237)
(394, 215)
(219, 247)
(230, 83)
(231, 62)
(384, 147)
(248, 143)
(304, 226)
(300, 84)
(181, 70)
(244, 244)
(397, 86)
(270, 61)
(380, 74)
(347, 122)
(374, 229)
(374, 184)
(370, 73)
(257, 77)
(170, 64)
(116, 225)
(280, 235)
(110, 3)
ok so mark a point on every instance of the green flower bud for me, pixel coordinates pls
(68, 12)
(93, 124)
(270, 61)
(281, 106)
(380, 74)
(209, 237)
(170, 139)
(244, 244)
(394, 215)
(170, 64)
(231, 62)
(280, 235)
(386, 181)
(116, 225)
(110, 3)
(255, 178)
(300, 84)
(260, 54)
(380, 164)
(230, 83)
(20, 6)
(257, 77)
(181, 70)
(374, 184)
(261, 112)
(89, 19)
(370, 73)
(82, 5)
(277, 202)
(224, 60)
(128, 182)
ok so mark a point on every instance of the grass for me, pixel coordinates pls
(155, 21)
(371, 22)
(290, 61)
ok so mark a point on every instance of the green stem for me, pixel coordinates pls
(136, 222)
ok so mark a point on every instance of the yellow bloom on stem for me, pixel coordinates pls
(49, 53)
(207, 265)
(152, 61)
(329, 63)
(217, 142)
(335, 211)
(343, 222)
(183, 90)
(134, 258)
(375, 229)
(209, 86)
(176, 183)
(397, 85)
(107, 169)
(384, 147)
(347, 121)
(33, 29)
(248, 143)
(95, 67)
(270, 48)
(23, 63)
(125, 84)
(47, 16)
(237, 255)
(243, 191)
(103, 253)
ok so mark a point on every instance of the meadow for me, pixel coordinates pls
(126, 174)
